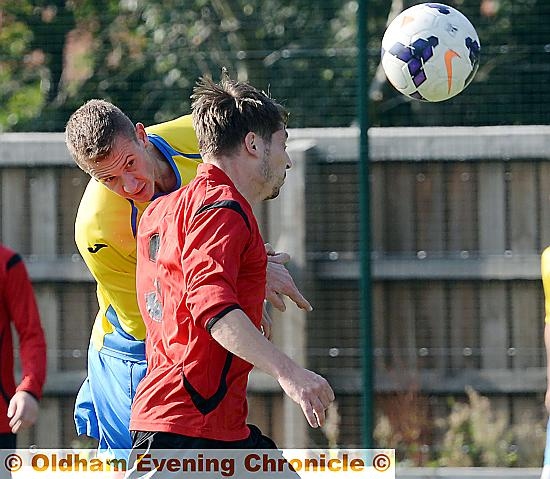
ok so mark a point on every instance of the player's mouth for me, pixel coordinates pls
(141, 195)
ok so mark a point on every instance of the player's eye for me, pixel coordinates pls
(130, 164)
(109, 179)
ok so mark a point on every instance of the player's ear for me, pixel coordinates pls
(141, 134)
(250, 143)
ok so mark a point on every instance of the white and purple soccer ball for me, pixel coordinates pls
(430, 52)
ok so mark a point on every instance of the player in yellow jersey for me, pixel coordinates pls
(130, 165)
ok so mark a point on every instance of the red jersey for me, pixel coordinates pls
(18, 306)
(200, 255)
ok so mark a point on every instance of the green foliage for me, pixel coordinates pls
(20, 72)
(145, 55)
(472, 435)
(23, 104)
(475, 436)
(273, 44)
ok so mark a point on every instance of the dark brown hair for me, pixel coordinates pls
(224, 113)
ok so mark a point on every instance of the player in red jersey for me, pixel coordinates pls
(201, 284)
(19, 404)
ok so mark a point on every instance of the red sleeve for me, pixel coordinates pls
(213, 246)
(21, 303)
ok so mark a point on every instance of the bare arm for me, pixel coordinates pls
(236, 333)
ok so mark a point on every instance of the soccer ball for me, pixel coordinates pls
(430, 52)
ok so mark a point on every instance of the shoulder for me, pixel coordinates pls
(185, 121)
(8, 259)
(179, 133)
(224, 200)
(6, 253)
(98, 204)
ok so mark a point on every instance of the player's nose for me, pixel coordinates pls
(129, 184)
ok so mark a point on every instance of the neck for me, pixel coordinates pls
(165, 178)
(240, 175)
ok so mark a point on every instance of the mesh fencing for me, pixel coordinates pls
(145, 56)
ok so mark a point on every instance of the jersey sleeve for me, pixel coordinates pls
(21, 303)
(213, 245)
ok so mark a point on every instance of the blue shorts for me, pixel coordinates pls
(103, 404)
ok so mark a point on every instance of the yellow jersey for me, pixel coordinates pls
(105, 234)
(545, 272)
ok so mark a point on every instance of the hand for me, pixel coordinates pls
(547, 400)
(267, 323)
(311, 391)
(23, 411)
(280, 283)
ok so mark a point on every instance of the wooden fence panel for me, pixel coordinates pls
(400, 228)
(523, 208)
(526, 326)
(49, 428)
(337, 212)
(431, 322)
(461, 203)
(78, 310)
(430, 209)
(494, 325)
(492, 208)
(48, 305)
(15, 210)
(463, 324)
(401, 325)
(43, 212)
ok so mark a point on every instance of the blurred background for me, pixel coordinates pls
(145, 55)
(459, 215)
